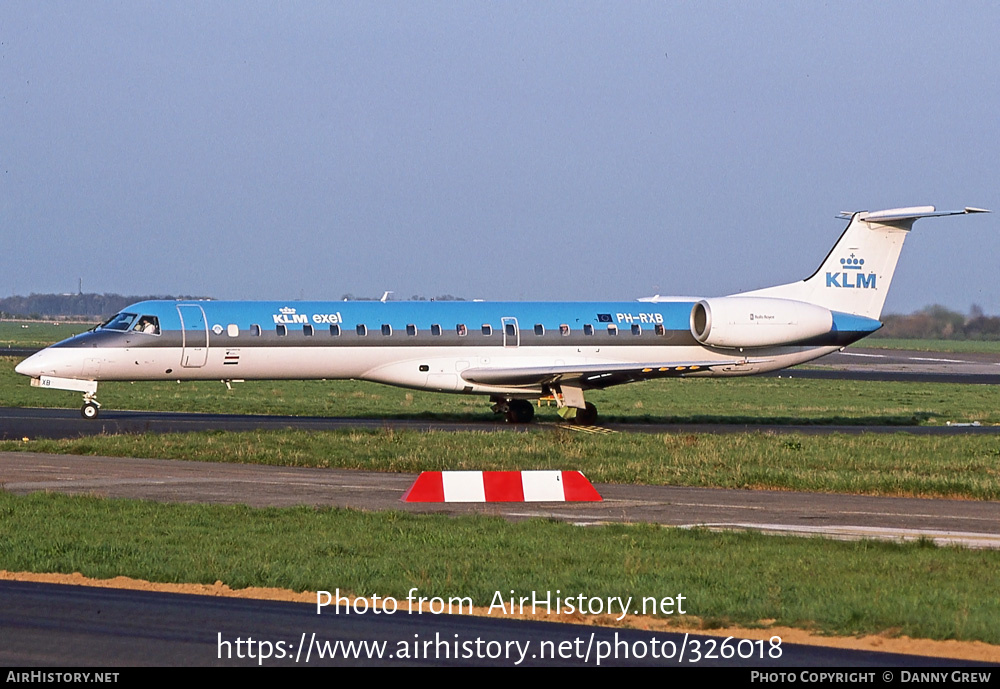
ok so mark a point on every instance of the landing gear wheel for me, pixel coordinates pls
(520, 411)
(586, 417)
(89, 410)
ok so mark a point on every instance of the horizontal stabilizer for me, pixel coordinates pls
(911, 213)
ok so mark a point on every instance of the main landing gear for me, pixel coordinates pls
(587, 416)
(515, 411)
(523, 411)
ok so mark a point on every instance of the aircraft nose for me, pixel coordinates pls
(50, 362)
(30, 366)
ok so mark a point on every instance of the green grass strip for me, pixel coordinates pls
(832, 587)
(923, 345)
(965, 466)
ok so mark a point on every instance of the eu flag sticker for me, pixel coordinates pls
(604, 318)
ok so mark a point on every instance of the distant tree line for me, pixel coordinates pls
(61, 306)
(936, 322)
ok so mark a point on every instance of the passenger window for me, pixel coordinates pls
(613, 330)
(233, 330)
(282, 330)
(362, 330)
(386, 329)
(510, 329)
(255, 330)
(307, 330)
(334, 331)
(636, 329)
(588, 329)
(487, 329)
(461, 330)
(564, 329)
(435, 329)
(539, 329)
(659, 329)
(411, 330)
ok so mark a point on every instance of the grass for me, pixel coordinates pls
(953, 346)
(873, 464)
(37, 333)
(743, 579)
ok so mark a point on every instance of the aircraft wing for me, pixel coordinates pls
(588, 376)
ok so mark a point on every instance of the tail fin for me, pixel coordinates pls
(855, 276)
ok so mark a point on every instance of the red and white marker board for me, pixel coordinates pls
(501, 486)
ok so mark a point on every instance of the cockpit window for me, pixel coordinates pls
(147, 324)
(120, 322)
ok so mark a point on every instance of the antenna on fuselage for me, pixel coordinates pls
(385, 296)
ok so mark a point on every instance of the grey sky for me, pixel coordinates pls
(491, 150)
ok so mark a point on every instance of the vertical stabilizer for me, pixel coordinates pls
(856, 274)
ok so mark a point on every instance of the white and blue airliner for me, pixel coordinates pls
(512, 352)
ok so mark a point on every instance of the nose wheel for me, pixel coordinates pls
(90, 406)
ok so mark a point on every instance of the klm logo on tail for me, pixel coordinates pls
(852, 276)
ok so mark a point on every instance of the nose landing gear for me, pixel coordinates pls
(91, 406)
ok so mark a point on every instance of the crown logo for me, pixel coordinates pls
(287, 310)
(852, 263)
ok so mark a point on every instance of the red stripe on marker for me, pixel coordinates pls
(427, 488)
(501, 486)
(578, 488)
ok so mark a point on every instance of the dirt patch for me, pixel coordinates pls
(962, 650)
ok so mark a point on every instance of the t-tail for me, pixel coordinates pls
(855, 276)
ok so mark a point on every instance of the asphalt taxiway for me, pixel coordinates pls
(33, 423)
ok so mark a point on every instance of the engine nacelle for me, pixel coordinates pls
(757, 321)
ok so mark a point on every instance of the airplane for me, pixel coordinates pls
(513, 352)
